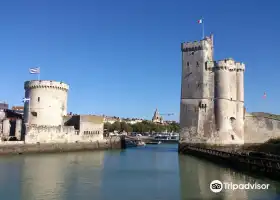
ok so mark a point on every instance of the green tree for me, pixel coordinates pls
(123, 126)
(109, 127)
(129, 128)
(117, 126)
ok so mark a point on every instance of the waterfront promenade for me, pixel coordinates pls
(151, 172)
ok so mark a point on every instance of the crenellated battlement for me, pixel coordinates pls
(204, 44)
(46, 84)
(240, 66)
(229, 64)
(226, 64)
(209, 65)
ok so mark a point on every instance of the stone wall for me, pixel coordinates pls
(6, 143)
(60, 147)
(260, 129)
(50, 134)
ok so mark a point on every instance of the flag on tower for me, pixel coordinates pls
(26, 99)
(264, 95)
(35, 70)
(200, 21)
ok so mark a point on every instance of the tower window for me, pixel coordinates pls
(38, 99)
(232, 137)
(188, 64)
(197, 64)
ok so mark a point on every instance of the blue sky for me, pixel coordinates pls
(123, 57)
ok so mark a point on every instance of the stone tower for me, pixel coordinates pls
(156, 117)
(212, 95)
(197, 92)
(48, 102)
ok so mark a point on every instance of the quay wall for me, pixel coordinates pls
(7, 148)
(235, 157)
(260, 129)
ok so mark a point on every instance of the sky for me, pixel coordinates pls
(123, 58)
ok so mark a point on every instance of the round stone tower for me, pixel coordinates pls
(240, 115)
(47, 102)
(222, 93)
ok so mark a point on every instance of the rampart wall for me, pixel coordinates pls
(16, 148)
(57, 134)
(260, 129)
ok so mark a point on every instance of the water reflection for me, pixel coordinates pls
(10, 176)
(52, 176)
(201, 173)
(155, 172)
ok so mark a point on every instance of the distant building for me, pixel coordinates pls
(88, 126)
(18, 109)
(157, 118)
(3, 106)
(134, 121)
(10, 124)
(111, 120)
(170, 121)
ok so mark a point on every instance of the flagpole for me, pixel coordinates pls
(39, 73)
(202, 28)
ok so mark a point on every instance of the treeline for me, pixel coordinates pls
(141, 127)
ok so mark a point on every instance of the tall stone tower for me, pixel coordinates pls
(197, 91)
(212, 95)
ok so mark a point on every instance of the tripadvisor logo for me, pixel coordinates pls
(217, 186)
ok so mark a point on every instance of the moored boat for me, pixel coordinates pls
(141, 143)
(157, 142)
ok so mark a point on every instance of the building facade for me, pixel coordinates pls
(212, 95)
(10, 125)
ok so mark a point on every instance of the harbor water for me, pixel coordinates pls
(154, 172)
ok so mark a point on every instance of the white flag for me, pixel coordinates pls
(34, 70)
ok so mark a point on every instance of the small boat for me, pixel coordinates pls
(159, 142)
(141, 143)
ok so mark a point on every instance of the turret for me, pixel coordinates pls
(240, 115)
(47, 104)
(222, 93)
(240, 68)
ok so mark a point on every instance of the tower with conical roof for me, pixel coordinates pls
(157, 118)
